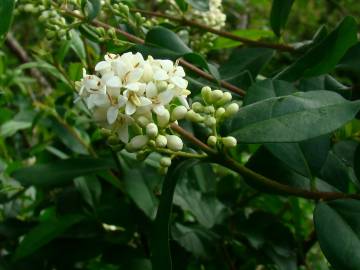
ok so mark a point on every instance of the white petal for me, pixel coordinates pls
(130, 108)
(145, 101)
(179, 71)
(179, 82)
(100, 99)
(135, 75)
(92, 82)
(151, 90)
(161, 75)
(183, 101)
(121, 101)
(133, 86)
(159, 109)
(112, 114)
(123, 133)
(121, 68)
(167, 65)
(102, 66)
(166, 96)
(113, 82)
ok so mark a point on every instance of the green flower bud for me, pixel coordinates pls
(137, 143)
(152, 130)
(165, 162)
(216, 95)
(232, 109)
(197, 107)
(161, 141)
(229, 142)
(219, 112)
(209, 109)
(194, 117)
(178, 113)
(143, 121)
(210, 121)
(212, 140)
(163, 119)
(225, 99)
(174, 142)
(206, 93)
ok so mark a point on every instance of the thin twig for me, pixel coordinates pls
(15, 46)
(184, 63)
(230, 163)
(184, 21)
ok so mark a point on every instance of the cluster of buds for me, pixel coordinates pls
(135, 101)
(214, 18)
(214, 108)
(53, 21)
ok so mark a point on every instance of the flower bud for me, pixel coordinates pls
(212, 141)
(113, 140)
(161, 86)
(148, 72)
(174, 142)
(161, 141)
(229, 141)
(142, 155)
(163, 119)
(194, 117)
(178, 113)
(206, 93)
(210, 121)
(219, 112)
(152, 130)
(225, 99)
(216, 95)
(165, 162)
(209, 109)
(143, 121)
(137, 143)
(197, 107)
(232, 109)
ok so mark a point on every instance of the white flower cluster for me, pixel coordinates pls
(137, 99)
(214, 17)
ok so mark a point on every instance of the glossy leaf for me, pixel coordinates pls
(6, 14)
(160, 249)
(340, 248)
(292, 118)
(90, 8)
(324, 56)
(202, 5)
(44, 233)
(60, 172)
(279, 14)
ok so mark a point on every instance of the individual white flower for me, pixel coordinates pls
(121, 127)
(113, 111)
(90, 84)
(134, 100)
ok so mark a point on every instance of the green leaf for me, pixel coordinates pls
(206, 208)
(279, 14)
(90, 8)
(267, 89)
(292, 118)
(6, 14)
(252, 34)
(338, 231)
(61, 172)
(140, 190)
(242, 60)
(9, 128)
(351, 61)
(196, 240)
(182, 5)
(78, 45)
(324, 56)
(159, 243)
(44, 233)
(90, 189)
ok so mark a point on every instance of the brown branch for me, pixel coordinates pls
(257, 178)
(22, 55)
(184, 21)
(186, 64)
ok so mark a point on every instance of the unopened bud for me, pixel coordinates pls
(206, 93)
(137, 143)
(161, 141)
(212, 141)
(178, 113)
(197, 107)
(210, 121)
(142, 155)
(163, 119)
(219, 112)
(194, 117)
(216, 95)
(143, 121)
(165, 162)
(229, 141)
(232, 109)
(174, 142)
(209, 109)
(152, 130)
(225, 99)
(113, 140)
